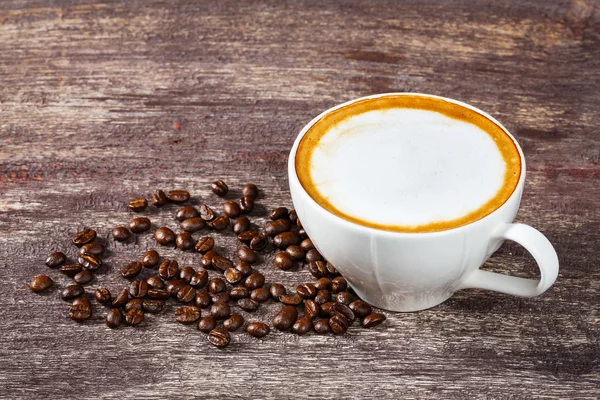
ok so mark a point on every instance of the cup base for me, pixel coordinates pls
(403, 303)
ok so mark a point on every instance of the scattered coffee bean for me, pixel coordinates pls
(159, 198)
(216, 285)
(279, 212)
(242, 224)
(244, 268)
(192, 225)
(83, 277)
(233, 323)
(81, 309)
(323, 283)
(299, 224)
(120, 299)
(138, 204)
(259, 242)
(93, 248)
(360, 308)
(246, 204)
(339, 308)
(140, 224)
(322, 297)
(158, 294)
(40, 283)
(174, 286)
(307, 245)
(131, 270)
(186, 294)
(285, 318)
(102, 295)
(71, 270)
(221, 263)
(187, 314)
(56, 259)
(134, 317)
(219, 223)
(302, 326)
(83, 237)
(133, 303)
(114, 318)
(339, 284)
(257, 329)
(344, 297)
(231, 209)
(277, 290)
(317, 269)
(184, 241)
(219, 188)
(207, 213)
(207, 324)
(248, 304)
(221, 296)
(164, 236)
(260, 295)
(313, 255)
(326, 309)
(248, 255)
(203, 299)
(254, 281)
(302, 233)
(306, 290)
(220, 310)
(187, 273)
(206, 260)
(247, 236)
(138, 288)
(331, 269)
(71, 292)
(178, 196)
(154, 282)
(199, 280)
(338, 324)
(322, 326)
(90, 262)
(239, 292)
(219, 337)
(296, 253)
(290, 299)
(186, 212)
(168, 269)
(275, 227)
(233, 276)
(283, 261)
(151, 259)
(205, 244)
(285, 239)
(372, 320)
(311, 309)
(250, 190)
(292, 216)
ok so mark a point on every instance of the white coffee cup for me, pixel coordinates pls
(400, 271)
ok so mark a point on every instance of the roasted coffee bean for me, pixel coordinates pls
(134, 317)
(290, 299)
(242, 224)
(246, 204)
(276, 227)
(207, 213)
(138, 288)
(285, 239)
(205, 244)
(339, 308)
(279, 212)
(331, 269)
(71, 270)
(216, 285)
(219, 337)
(158, 294)
(192, 225)
(326, 309)
(296, 253)
(199, 280)
(283, 261)
(102, 295)
(159, 198)
(260, 295)
(168, 269)
(339, 284)
(317, 269)
(231, 209)
(360, 308)
(299, 224)
(83, 277)
(174, 286)
(233, 323)
(259, 242)
(248, 304)
(151, 259)
(254, 281)
(221, 263)
(220, 310)
(203, 299)
(114, 318)
(285, 318)
(313, 255)
(178, 196)
(186, 212)
(207, 324)
(277, 290)
(322, 297)
(250, 190)
(257, 329)
(323, 283)
(221, 296)
(292, 216)
(121, 298)
(81, 309)
(219, 223)
(247, 236)
(85, 236)
(71, 291)
(311, 309)
(248, 255)
(302, 326)
(233, 276)
(244, 268)
(187, 314)
(302, 233)
(344, 297)
(154, 282)
(219, 188)
(187, 273)
(186, 294)
(184, 241)
(322, 326)
(206, 260)
(131, 270)
(93, 248)
(307, 245)
(139, 225)
(138, 204)
(164, 236)
(56, 259)
(338, 324)
(133, 303)
(372, 320)
(90, 262)
(239, 292)
(306, 290)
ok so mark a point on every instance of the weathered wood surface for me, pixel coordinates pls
(89, 95)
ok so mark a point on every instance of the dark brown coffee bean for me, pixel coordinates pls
(159, 198)
(279, 212)
(138, 288)
(233, 276)
(206, 260)
(221, 296)
(360, 308)
(168, 269)
(56, 259)
(186, 212)
(221, 263)
(219, 188)
(307, 245)
(290, 299)
(164, 236)
(90, 262)
(296, 253)
(331, 269)
(140, 224)
(248, 255)
(339, 308)
(203, 299)
(133, 303)
(254, 281)
(131, 270)
(323, 283)
(322, 297)
(339, 284)
(306, 290)
(114, 318)
(338, 324)
(242, 224)
(81, 309)
(292, 216)
(153, 306)
(120, 299)
(250, 190)
(219, 223)
(207, 324)
(259, 242)
(302, 233)
(277, 290)
(283, 261)
(151, 259)
(207, 213)
(285, 318)
(187, 273)
(93, 248)
(186, 294)
(326, 309)
(102, 295)
(71, 270)
(239, 292)
(247, 236)
(311, 309)
(257, 329)
(205, 244)
(187, 314)
(317, 269)
(233, 323)
(260, 295)
(174, 286)
(285, 239)
(216, 285)
(138, 204)
(199, 280)
(192, 225)
(71, 291)
(85, 236)
(276, 227)
(344, 298)
(302, 326)
(322, 326)
(313, 255)
(83, 277)
(246, 204)
(134, 317)
(178, 196)
(154, 282)
(299, 224)
(184, 241)
(158, 294)
(231, 209)
(220, 310)
(219, 337)
(372, 320)
(244, 268)
(248, 304)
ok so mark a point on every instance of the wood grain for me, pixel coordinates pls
(89, 95)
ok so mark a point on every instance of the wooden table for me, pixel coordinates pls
(91, 91)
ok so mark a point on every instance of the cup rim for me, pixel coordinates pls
(294, 176)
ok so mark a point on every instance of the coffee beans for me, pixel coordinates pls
(71, 291)
(216, 285)
(313, 255)
(186, 212)
(187, 314)
(311, 309)
(164, 236)
(254, 281)
(233, 323)
(138, 204)
(259, 242)
(81, 309)
(307, 245)
(275, 227)
(248, 304)
(290, 299)
(186, 294)
(306, 290)
(206, 260)
(258, 329)
(317, 269)
(322, 326)
(344, 297)
(56, 259)
(203, 299)
(192, 225)
(207, 213)
(139, 225)
(219, 337)
(159, 198)
(174, 286)
(93, 248)
(296, 253)
(138, 288)
(292, 216)
(90, 262)
(158, 294)
(40, 283)
(134, 317)
(114, 318)
(85, 236)
(248, 255)
(242, 224)
(277, 290)
(239, 292)
(372, 320)
(246, 204)
(133, 303)
(178, 196)
(231, 209)
(339, 284)
(131, 270)
(277, 213)
(250, 190)
(154, 282)
(283, 261)
(120, 299)
(199, 280)
(322, 297)
(102, 295)
(247, 236)
(338, 324)
(323, 283)
(220, 310)
(207, 324)
(244, 268)
(83, 277)
(326, 309)
(150, 259)
(71, 270)
(168, 269)
(221, 263)
(260, 295)
(233, 276)
(285, 239)
(184, 241)
(205, 244)
(219, 188)
(302, 326)
(152, 306)
(339, 308)
(285, 318)
(219, 223)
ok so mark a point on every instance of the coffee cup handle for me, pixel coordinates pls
(541, 250)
